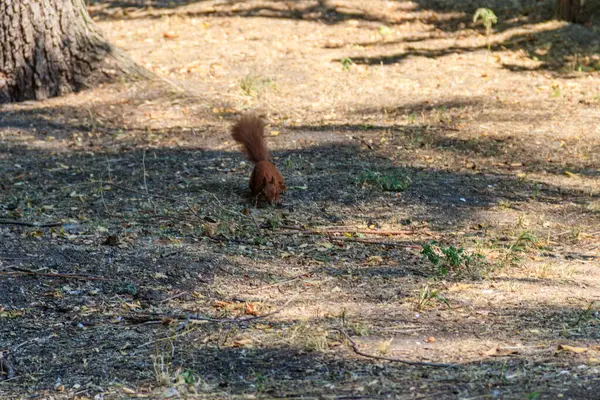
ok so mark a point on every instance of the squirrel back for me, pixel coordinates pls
(249, 131)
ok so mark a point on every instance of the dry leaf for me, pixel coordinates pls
(170, 35)
(374, 260)
(499, 352)
(274, 133)
(221, 304)
(250, 309)
(324, 246)
(241, 343)
(578, 350)
(132, 306)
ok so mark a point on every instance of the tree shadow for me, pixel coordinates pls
(451, 16)
(564, 50)
(70, 326)
(292, 368)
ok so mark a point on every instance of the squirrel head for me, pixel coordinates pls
(272, 190)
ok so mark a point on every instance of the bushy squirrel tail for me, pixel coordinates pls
(249, 132)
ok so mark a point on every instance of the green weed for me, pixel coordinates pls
(347, 63)
(451, 260)
(428, 296)
(488, 18)
(395, 182)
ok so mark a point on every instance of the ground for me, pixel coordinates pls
(400, 135)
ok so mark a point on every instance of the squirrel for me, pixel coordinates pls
(265, 179)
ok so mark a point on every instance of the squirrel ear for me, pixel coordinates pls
(265, 181)
(272, 180)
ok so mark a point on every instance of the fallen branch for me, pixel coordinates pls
(289, 280)
(355, 348)
(31, 224)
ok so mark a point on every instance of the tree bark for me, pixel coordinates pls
(572, 11)
(52, 47)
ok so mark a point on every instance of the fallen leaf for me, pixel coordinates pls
(572, 349)
(324, 246)
(159, 275)
(221, 304)
(250, 309)
(132, 306)
(499, 352)
(374, 260)
(170, 35)
(241, 343)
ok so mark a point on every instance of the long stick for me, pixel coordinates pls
(354, 347)
(31, 224)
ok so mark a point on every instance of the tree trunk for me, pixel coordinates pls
(571, 11)
(52, 47)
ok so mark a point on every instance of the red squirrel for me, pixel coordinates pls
(265, 180)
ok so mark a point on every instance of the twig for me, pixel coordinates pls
(295, 229)
(376, 242)
(173, 297)
(56, 275)
(354, 347)
(31, 224)
(289, 280)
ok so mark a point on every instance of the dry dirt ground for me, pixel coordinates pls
(394, 126)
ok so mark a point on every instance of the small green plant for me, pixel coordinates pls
(189, 377)
(359, 329)
(347, 63)
(428, 296)
(395, 182)
(288, 163)
(252, 85)
(385, 31)
(451, 260)
(249, 85)
(274, 222)
(260, 240)
(556, 90)
(488, 18)
(512, 256)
